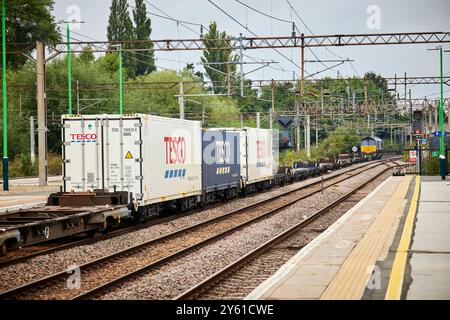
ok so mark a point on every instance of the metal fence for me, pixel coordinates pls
(424, 161)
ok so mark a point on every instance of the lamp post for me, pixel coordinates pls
(5, 116)
(119, 46)
(442, 160)
(69, 69)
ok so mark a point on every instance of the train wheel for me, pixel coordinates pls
(3, 250)
(91, 233)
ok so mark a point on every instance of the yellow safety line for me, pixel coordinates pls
(394, 289)
(352, 278)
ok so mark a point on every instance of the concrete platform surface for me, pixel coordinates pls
(339, 263)
(394, 244)
(430, 249)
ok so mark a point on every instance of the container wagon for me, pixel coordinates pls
(156, 160)
(257, 162)
(220, 165)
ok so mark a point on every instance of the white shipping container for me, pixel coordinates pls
(257, 157)
(157, 159)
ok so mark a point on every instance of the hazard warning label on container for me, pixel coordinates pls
(128, 155)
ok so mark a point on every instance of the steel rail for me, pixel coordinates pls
(209, 282)
(97, 290)
(91, 240)
(23, 289)
(113, 234)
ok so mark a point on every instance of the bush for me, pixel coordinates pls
(27, 169)
(391, 147)
(54, 164)
(21, 166)
(339, 141)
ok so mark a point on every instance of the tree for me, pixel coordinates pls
(284, 94)
(142, 31)
(377, 80)
(190, 67)
(249, 102)
(120, 28)
(87, 55)
(28, 21)
(217, 72)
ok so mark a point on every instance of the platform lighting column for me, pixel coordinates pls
(5, 116)
(119, 49)
(120, 80)
(69, 69)
(441, 120)
(69, 72)
(442, 159)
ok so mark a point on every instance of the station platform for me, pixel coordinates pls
(26, 193)
(394, 244)
(10, 203)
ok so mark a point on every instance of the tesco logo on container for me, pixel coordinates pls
(175, 150)
(260, 149)
(83, 137)
(260, 154)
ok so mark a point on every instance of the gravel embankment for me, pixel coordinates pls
(33, 269)
(175, 277)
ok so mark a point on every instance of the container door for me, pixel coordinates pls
(82, 154)
(244, 155)
(122, 158)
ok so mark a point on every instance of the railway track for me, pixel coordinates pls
(102, 273)
(30, 252)
(47, 248)
(239, 278)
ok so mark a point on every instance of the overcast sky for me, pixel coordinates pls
(321, 16)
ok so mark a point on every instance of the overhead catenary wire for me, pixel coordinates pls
(279, 19)
(290, 23)
(87, 37)
(138, 53)
(263, 13)
(142, 54)
(238, 22)
(434, 94)
(183, 23)
(32, 15)
(270, 66)
(180, 21)
(312, 33)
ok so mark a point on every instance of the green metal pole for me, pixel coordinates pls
(5, 115)
(69, 73)
(120, 80)
(441, 120)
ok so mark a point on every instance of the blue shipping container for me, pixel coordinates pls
(220, 160)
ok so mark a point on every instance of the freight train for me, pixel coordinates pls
(164, 162)
(172, 163)
(132, 167)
